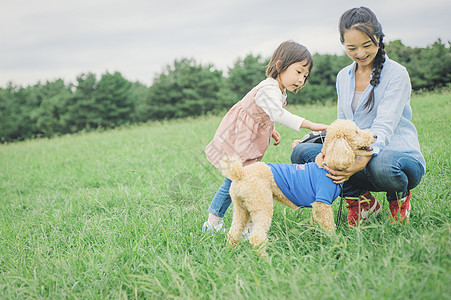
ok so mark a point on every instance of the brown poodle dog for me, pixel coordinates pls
(254, 187)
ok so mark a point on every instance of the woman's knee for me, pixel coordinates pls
(387, 176)
(304, 153)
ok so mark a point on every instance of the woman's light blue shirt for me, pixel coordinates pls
(390, 118)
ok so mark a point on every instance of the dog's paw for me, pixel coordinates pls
(232, 241)
(263, 255)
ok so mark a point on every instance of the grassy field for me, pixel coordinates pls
(117, 214)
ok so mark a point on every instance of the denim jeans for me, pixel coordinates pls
(221, 201)
(390, 171)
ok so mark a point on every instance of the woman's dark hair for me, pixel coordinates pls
(288, 53)
(363, 19)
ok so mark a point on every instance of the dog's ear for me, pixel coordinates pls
(339, 154)
(319, 160)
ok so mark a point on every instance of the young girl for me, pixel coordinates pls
(374, 91)
(247, 128)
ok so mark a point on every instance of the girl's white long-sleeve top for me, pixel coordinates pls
(271, 99)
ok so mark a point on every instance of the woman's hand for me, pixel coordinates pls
(276, 136)
(341, 176)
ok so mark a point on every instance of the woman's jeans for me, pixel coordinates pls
(390, 171)
(221, 200)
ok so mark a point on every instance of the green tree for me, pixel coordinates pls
(16, 108)
(104, 103)
(113, 95)
(83, 111)
(138, 95)
(438, 68)
(245, 73)
(183, 89)
(10, 113)
(48, 116)
(428, 67)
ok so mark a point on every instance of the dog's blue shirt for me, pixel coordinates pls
(304, 184)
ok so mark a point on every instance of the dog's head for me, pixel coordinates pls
(344, 141)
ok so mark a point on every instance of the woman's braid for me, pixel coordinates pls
(376, 74)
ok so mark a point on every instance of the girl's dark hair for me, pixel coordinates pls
(363, 19)
(289, 52)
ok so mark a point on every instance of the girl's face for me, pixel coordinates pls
(293, 77)
(359, 47)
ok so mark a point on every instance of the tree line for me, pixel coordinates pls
(184, 88)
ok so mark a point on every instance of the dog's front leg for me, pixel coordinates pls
(258, 237)
(323, 214)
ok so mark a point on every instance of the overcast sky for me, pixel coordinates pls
(44, 40)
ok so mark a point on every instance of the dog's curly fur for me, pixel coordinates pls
(253, 187)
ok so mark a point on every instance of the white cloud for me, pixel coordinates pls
(49, 39)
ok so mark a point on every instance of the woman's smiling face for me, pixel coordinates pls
(359, 47)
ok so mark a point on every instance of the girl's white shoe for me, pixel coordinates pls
(218, 228)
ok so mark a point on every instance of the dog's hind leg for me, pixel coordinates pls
(239, 221)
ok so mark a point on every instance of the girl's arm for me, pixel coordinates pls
(276, 136)
(271, 100)
(313, 126)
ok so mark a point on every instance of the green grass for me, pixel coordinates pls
(117, 214)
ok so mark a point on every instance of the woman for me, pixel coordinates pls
(374, 92)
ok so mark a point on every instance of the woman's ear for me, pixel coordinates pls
(339, 154)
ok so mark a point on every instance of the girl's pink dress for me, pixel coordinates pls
(245, 132)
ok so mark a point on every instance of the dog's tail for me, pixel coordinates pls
(232, 168)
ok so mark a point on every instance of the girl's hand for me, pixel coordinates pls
(313, 126)
(343, 175)
(318, 127)
(295, 143)
(276, 136)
